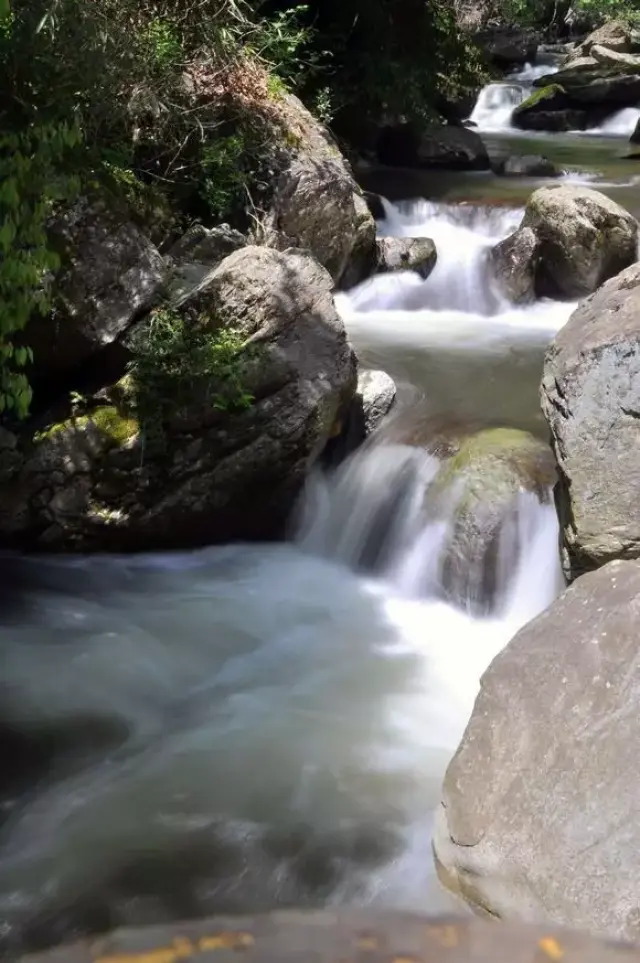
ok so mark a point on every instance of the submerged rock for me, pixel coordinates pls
(416, 254)
(316, 203)
(527, 165)
(582, 239)
(236, 441)
(538, 816)
(591, 400)
(275, 937)
(479, 486)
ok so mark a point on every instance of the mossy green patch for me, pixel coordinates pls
(120, 428)
(117, 427)
(545, 93)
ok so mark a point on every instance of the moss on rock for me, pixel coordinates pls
(551, 92)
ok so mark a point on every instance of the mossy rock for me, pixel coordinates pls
(113, 426)
(478, 487)
(543, 95)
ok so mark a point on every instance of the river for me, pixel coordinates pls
(250, 726)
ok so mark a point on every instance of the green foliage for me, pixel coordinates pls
(225, 173)
(31, 182)
(178, 361)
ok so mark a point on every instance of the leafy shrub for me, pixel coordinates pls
(31, 182)
(178, 359)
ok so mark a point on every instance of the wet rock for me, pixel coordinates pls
(635, 137)
(111, 273)
(549, 109)
(583, 238)
(528, 165)
(514, 264)
(479, 487)
(416, 254)
(377, 394)
(438, 147)
(330, 935)
(538, 815)
(591, 400)
(316, 204)
(609, 87)
(507, 47)
(95, 480)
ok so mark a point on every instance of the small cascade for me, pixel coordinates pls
(495, 106)
(621, 124)
(463, 235)
(375, 513)
(496, 102)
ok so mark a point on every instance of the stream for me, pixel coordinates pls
(242, 727)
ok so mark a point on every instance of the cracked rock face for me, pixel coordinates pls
(591, 401)
(538, 820)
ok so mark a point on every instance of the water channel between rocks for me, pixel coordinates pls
(241, 727)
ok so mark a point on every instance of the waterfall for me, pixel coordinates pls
(495, 106)
(496, 102)
(621, 124)
(253, 726)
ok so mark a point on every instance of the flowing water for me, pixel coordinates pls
(249, 726)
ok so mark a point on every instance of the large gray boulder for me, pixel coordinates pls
(583, 238)
(596, 87)
(110, 273)
(316, 204)
(614, 35)
(591, 400)
(184, 456)
(539, 808)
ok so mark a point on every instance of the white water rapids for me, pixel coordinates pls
(271, 724)
(493, 111)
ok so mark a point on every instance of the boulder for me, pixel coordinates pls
(527, 165)
(614, 35)
(437, 147)
(591, 86)
(591, 401)
(514, 263)
(110, 274)
(538, 819)
(416, 254)
(583, 238)
(316, 203)
(478, 486)
(625, 62)
(506, 47)
(635, 137)
(549, 109)
(237, 391)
